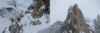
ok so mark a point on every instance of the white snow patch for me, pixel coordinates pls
(70, 31)
(75, 26)
(82, 32)
(23, 4)
(90, 32)
(3, 4)
(90, 24)
(69, 20)
(65, 31)
(4, 22)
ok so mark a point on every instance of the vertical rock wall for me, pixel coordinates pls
(77, 23)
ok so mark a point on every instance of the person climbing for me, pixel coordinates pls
(39, 23)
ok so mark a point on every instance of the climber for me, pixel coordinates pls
(39, 23)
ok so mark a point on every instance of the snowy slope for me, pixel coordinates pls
(22, 6)
(28, 28)
(4, 22)
(3, 4)
(31, 28)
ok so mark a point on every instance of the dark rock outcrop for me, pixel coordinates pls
(75, 21)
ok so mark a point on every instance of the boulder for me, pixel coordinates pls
(38, 3)
(27, 12)
(18, 19)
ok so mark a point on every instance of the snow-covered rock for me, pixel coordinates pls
(55, 28)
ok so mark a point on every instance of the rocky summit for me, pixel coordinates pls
(75, 21)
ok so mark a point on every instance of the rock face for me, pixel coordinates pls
(75, 21)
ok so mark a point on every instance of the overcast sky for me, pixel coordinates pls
(59, 8)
